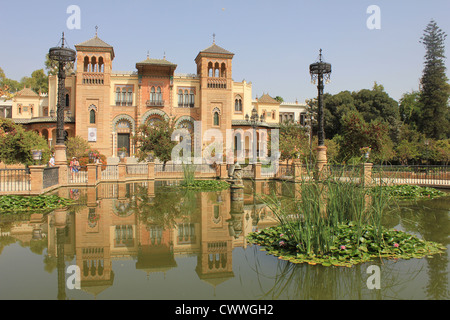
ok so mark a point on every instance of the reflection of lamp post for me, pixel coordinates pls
(319, 71)
(63, 56)
(253, 120)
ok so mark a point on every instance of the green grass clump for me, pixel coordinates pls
(205, 185)
(10, 204)
(411, 191)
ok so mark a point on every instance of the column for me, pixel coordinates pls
(37, 179)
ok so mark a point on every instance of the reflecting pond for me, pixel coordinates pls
(151, 241)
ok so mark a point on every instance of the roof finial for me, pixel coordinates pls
(214, 38)
(164, 55)
(320, 55)
(96, 30)
(62, 40)
(148, 54)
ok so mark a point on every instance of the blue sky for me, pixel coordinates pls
(274, 41)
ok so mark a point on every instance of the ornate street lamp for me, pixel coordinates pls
(63, 56)
(320, 71)
(253, 121)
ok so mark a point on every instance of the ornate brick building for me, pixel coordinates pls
(106, 107)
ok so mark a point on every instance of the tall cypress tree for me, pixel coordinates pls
(434, 92)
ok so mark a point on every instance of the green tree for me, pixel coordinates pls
(7, 86)
(294, 142)
(376, 104)
(357, 133)
(156, 139)
(435, 91)
(38, 81)
(409, 108)
(17, 144)
(279, 99)
(76, 147)
(52, 66)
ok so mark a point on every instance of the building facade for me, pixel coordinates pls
(106, 107)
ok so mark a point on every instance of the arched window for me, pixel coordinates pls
(130, 96)
(124, 96)
(192, 102)
(152, 95)
(67, 100)
(210, 70)
(180, 98)
(216, 70)
(223, 70)
(93, 64)
(186, 98)
(118, 96)
(101, 65)
(86, 64)
(158, 95)
(92, 116)
(238, 104)
(216, 118)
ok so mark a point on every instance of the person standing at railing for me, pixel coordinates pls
(51, 162)
(74, 167)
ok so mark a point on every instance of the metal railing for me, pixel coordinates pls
(137, 169)
(433, 175)
(15, 180)
(111, 172)
(78, 177)
(50, 177)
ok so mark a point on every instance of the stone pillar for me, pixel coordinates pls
(122, 171)
(60, 155)
(367, 174)
(223, 172)
(99, 172)
(37, 179)
(92, 174)
(257, 171)
(151, 171)
(63, 174)
(297, 168)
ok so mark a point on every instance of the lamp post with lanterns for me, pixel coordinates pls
(62, 55)
(253, 120)
(320, 71)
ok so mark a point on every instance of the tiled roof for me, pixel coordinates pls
(27, 92)
(94, 42)
(43, 120)
(265, 98)
(259, 124)
(216, 49)
(98, 43)
(160, 62)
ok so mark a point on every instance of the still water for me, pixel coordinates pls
(142, 241)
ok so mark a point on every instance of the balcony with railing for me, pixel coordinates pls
(216, 83)
(155, 103)
(94, 78)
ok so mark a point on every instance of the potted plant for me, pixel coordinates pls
(122, 153)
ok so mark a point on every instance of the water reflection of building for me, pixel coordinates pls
(138, 222)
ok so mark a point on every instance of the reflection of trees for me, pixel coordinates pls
(165, 206)
(430, 220)
(306, 282)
